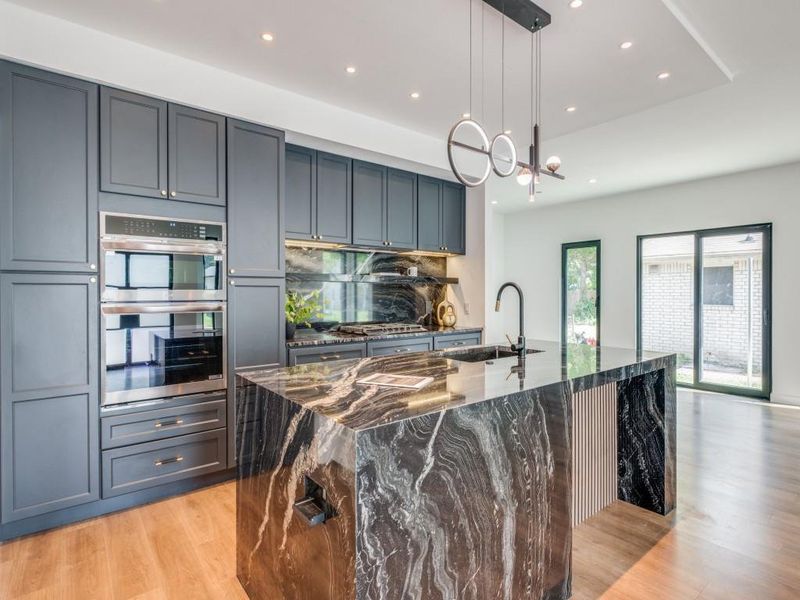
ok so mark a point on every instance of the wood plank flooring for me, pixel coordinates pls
(735, 534)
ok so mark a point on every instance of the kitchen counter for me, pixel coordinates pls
(462, 489)
(305, 338)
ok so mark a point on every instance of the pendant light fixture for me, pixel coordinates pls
(500, 155)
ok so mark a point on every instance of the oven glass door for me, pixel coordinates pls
(146, 275)
(156, 350)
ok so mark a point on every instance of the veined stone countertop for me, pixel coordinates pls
(304, 338)
(331, 390)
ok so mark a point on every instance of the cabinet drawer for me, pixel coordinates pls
(147, 426)
(454, 341)
(147, 465)
(303, 356)
(387, 348)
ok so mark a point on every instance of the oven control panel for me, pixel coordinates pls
(139, 227)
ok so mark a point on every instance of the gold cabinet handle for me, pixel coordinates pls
(168, 423)
(168, 461)
(329, 357)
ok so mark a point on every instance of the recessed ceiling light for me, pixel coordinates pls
(350, 70)
(507, 132)
(465, 115)
(415, 95)
(267, 37)
(626, 45)
(494, 201)
(576, 3)
(664, 75)
(571, 109)
(593, 180)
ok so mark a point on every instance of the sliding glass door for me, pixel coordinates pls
(580, 293)
(706, 296)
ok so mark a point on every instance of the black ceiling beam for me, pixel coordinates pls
(528, 15)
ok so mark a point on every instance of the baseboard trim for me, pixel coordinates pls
(105, 506)
(785, 399)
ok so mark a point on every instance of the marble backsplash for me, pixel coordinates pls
(389, 296)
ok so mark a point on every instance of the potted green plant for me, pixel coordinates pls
(300, 309)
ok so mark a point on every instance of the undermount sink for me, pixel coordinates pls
(484, 353)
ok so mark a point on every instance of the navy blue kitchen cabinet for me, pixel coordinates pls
(49, 405)
(153, 148)
(301, 190)
(196, 155)
(401, 209)
(369, 204)
(334, 198)
(318, 196)
(48, 171)
(256, 335)
(442, 216)
(133, 144)
(454, 217)
(256, 181)
(384, 207)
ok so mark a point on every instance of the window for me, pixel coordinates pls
(718, 286)
(705, 296)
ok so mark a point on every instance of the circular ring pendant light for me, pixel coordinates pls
(453, 143)
(503, 155)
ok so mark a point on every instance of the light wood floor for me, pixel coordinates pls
(735, 534)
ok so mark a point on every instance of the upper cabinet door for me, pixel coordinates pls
(429, 209)
(453, 217)
(196, 155)
(369, 204)
(48, 171)
(301, 190)
(334, 198)
(255, 200)
(401, 209)
(133, 144)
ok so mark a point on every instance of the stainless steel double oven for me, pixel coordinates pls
(163, 307)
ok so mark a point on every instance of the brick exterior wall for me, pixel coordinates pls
(668, 309)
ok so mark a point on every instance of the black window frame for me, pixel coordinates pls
(697, 294)
(565, 248)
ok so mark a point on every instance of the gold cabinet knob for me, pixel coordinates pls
(173, 193)
(163, 192)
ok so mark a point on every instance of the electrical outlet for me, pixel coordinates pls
(466, 308)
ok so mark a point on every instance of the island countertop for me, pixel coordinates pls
(331, 390)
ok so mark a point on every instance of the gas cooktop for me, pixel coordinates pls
(381, 328)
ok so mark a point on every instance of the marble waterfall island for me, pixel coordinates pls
(467, 488)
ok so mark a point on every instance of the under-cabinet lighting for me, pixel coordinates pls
(316, 245)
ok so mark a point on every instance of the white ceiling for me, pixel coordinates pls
(630, 129)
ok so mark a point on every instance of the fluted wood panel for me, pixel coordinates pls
(594, 451)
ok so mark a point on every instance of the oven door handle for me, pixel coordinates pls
(176, 307)
(165, 247)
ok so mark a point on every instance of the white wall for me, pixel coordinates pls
(532, 251)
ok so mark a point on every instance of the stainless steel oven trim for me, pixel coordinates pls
(103, 214)
(150, 245)
(151, 393)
